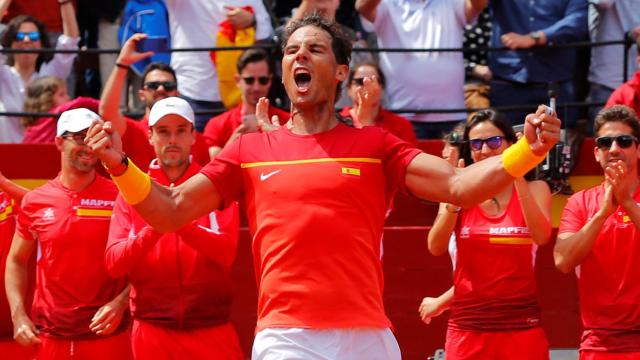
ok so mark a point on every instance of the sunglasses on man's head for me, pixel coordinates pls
(493, 143)
(263, 80)
(167, 85)
(623, 141)
(33, 36)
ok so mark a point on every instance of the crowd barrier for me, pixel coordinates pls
(625, 43)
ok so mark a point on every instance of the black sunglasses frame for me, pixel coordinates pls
(155, 85)
(262, 80)
(623, 141)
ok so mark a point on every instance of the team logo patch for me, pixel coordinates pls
(95, 208)
(350, 171)
(48, 214)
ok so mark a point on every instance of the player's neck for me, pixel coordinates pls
(248, 109)
(174, 173)
(76, 180)
(313, 120)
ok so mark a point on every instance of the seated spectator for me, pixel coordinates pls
(610, 21)
(159, 82)
(419, 80)
(629, 92)
(49, 94)
(26, 32)
(254, 78)
(366, 86)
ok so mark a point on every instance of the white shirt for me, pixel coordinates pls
(422, 80)
(194, 23)
(616, 18)
(12, 90)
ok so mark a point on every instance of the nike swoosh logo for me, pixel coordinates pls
(264, 177)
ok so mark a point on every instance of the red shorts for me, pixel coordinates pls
(601, 355)
(157, 343)
(112, 347)
(499, 345)
(12, 350)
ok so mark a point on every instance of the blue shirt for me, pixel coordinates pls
(561, 21)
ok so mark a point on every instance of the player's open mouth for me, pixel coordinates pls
(302, 77)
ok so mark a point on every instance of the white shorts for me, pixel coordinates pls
(329, 344)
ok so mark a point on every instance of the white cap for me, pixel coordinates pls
(75, 120)
(168, 106)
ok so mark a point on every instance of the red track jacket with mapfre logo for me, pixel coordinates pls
(179, 280)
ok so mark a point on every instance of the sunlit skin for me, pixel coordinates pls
(252, 93)
(150, 97)
(309, 53)
(26, 59)
(172, 138)
(76, 156)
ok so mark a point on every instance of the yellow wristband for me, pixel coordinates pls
(133, 184)
(518, 159)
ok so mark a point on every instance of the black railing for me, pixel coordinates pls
(627, 42)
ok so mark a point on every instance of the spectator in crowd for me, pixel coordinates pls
(67, 222)
(180, 286)
(25, 32)
(628, 93)
(522, 76)
(320, 274)
(254, 79)
(610, 20)
(418, 80)
(194, 24)
(159, 82)
(477, 72)
(10, 197)
(494, 308)
(44, 10)
(366, 84)
(49, 94)
(599, 234)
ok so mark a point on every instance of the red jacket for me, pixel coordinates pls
(627, 94)
(179, 280)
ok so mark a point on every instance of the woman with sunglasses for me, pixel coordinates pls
(494, 308)
(23, 33)
(366, 89)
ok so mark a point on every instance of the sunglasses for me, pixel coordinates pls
(623, 141)
(167, 85)
(77, 138)
(493, 143)
(33, 36)
(263, 80)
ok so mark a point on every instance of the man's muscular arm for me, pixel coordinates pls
(165, 209)
(433, 178)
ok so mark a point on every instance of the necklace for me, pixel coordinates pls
(495, 201)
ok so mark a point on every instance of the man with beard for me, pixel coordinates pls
(316, 196)
(180, 286)
(159, 82)
(77, 309)
(254, 80)
(599, 238)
